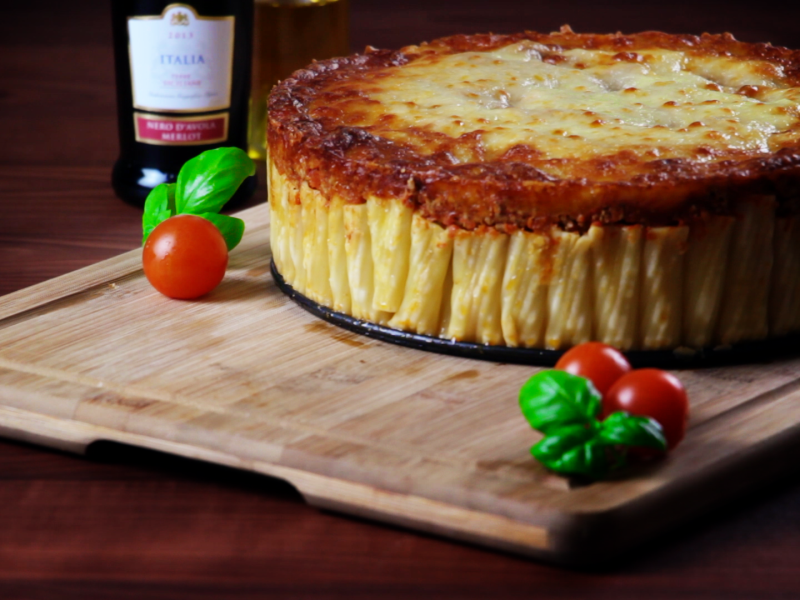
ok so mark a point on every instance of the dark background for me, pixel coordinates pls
(127, 523)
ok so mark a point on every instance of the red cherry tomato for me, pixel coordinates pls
(185, 257)
(598, 362)
(652, 393)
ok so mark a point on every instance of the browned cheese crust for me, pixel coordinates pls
(327, 130)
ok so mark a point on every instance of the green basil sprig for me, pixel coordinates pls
(205, 183)
(564, 407)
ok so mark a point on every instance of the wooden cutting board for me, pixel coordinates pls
(246, 378)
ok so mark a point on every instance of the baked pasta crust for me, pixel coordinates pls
(317, 134)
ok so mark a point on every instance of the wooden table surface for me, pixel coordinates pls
(134, 524)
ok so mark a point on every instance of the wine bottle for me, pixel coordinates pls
(183, 84)
(289, 34)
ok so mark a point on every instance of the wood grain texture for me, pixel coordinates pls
(245, 378)
(130, 523)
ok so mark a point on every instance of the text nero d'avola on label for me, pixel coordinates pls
(178, 127)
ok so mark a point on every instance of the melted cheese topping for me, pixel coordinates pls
(577, 103)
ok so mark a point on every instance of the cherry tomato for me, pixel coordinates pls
(598, 362)
(652, 393)
(185, 257)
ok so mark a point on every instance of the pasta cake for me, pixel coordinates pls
(543, 190)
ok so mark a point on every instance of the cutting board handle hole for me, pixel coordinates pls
(152, 464)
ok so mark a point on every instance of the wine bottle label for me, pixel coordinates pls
(180, 61)
(180, 131)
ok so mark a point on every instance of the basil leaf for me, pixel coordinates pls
(231, 228)
(573, 450)
(553, 446)
(159, 206)
(207, 182)
(554, 399)
(632, 430)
